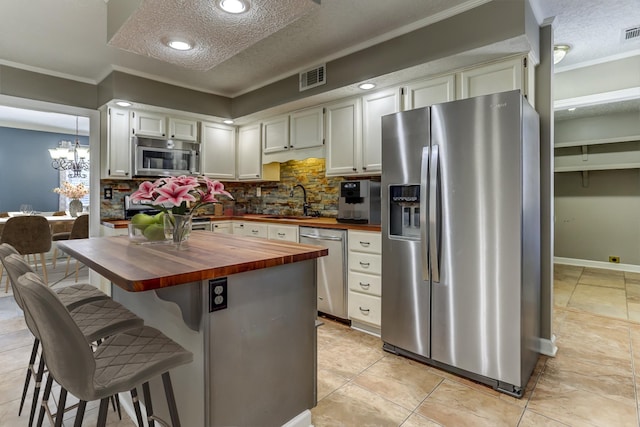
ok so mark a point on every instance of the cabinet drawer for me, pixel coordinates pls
(254, 229)
(365, 308)
(287, 233)
(222, 227)
(363, 241)
(365, 263)
(365, 283)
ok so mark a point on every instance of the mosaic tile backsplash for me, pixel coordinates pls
(322, 193)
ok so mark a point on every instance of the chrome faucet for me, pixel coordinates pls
(305, 205)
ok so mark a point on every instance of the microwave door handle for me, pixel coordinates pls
(424, 182)
(434, 214)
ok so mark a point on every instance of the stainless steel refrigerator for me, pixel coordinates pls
(461, 237)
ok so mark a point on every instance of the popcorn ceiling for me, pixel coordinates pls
(216, 35)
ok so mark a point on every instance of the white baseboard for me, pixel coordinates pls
(303, 419)
(597, 264)
(547, 346)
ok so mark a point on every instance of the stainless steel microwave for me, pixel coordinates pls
(164, 157)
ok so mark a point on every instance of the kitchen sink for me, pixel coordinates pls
(289, 217)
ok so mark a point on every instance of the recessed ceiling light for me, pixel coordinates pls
(228, 121)
(123, 104)
(234, 6)
(559, 52)
(179, 44)
(366, 86)
(572, 109)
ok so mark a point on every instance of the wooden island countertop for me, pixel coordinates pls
(206, 255)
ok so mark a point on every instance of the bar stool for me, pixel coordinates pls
(97, 320)
(29, 235)
(119, 364)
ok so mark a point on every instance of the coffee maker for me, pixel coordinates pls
(359, 202)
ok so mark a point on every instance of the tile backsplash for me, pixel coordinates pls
(322, 192)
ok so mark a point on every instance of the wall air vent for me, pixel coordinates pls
(632, 33)
(313, 77)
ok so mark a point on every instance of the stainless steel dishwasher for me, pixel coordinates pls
(332, 272)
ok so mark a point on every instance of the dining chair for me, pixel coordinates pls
(79, 230)
(121, 363)
(29, 235)
(96, 318)
(60, 230)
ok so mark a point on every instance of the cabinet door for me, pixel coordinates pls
(275, 134)
(238, 228)
(222, 227)
(218, 151)
(153, 125)
(425, 93)
(118, 162)
(307, 128)
(249, 152)
(183, 129)
(491, 78)
(375, 106)
(344, 137)
(255, 229)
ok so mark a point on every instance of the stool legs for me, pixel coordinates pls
(102, 412)
(45, 399)
(32, 360)
(80, 413)
(36, 391)
(171, 400)
(147, 403)
(136, 406)
(62, 401)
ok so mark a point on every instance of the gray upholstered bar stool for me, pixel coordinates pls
(119, 364)
(96, 319)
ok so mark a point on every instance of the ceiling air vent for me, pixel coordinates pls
(312, 78)
(631, 33)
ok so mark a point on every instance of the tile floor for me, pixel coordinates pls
(591, 382)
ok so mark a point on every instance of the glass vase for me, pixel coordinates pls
(177, 227)
(75, 207)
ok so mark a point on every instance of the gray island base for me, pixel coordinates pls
(254, 345)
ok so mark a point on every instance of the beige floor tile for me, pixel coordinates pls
(577, 407)
(600, 300)
(633, 292)
(633, 311)
(634, 332)
(416, 420)
(352, 405)
(563, 271)
(453, 404)
(613, 382)
(562, 291)
(347, 359)
(629, 275)
(532, 419)
(15, 339)
(601, 277)
(11, 385)
(400, 380)
(328, 382)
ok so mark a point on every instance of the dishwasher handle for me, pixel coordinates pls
(310, 236)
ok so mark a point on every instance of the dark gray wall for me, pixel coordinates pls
(26, 175)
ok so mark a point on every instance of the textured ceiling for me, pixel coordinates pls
(214, 34)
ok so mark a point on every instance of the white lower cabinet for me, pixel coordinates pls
(256, 229)
(288, 233)
(364, 278)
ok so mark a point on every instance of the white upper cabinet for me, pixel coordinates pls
(116, 146)
(218, 151)
(374, 106)
(275, 134)
(344, 137)
(425, 93)
(249, 152)
(183, 129)
(145, 123)
(492, 78)
(306, 128)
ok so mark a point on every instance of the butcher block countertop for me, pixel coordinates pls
(135, 267)
(306, 222)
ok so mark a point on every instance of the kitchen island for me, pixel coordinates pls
(245, 307)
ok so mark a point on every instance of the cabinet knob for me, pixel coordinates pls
(364, 168)
(354, 169)
(173, 136)
(364, 310)
(364, 264)
(286, 146)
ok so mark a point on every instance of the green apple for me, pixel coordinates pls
(141, 220)
(159, 218)
(154, 232)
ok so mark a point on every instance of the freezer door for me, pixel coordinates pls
(405, 292)
(476, 301)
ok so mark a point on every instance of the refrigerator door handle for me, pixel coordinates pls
(424, 182)
(434, 215)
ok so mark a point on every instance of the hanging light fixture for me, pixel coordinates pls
(71, 157)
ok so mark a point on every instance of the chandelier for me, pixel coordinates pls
(71, 157)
